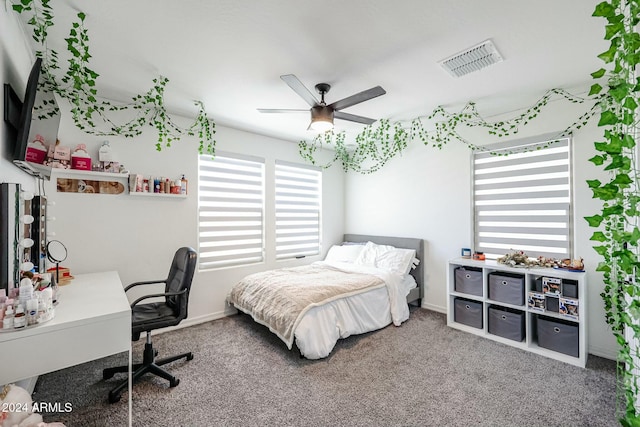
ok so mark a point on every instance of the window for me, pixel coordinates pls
(522, 201)
(231, 210)
(297, 206)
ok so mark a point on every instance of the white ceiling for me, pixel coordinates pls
(230, 54)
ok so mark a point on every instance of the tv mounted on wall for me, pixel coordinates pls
(34, 121)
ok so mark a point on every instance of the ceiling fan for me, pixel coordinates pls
(322, 115)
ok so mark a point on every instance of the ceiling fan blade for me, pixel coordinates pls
(358, 98)
(352, 118)
(281, 110)
(300, 89)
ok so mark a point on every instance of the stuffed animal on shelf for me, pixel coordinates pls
(17, 409)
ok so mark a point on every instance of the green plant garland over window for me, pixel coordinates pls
(78, 86)
(383, 140)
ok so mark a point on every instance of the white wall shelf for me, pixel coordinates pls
(532, 316)
(95, 175)
(165, 195)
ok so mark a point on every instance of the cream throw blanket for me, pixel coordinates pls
(279, 298)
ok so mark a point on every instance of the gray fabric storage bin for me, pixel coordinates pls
(468, 280)
(467, 312)
(558, 335)
(506, 323)
(569, 288)
(506, 287)
(552, 303)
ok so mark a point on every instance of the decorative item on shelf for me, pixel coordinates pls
(58, 156)
(465, 253)
(156, 185)
(36, 150)
(110, 167)
(517, 258)
(551, 286)
(183, 185)
(569, 308)
(80, 158)
(479, 256)
(571, 264)
(107, 159)
(536, 301)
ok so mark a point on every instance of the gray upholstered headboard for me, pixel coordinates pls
(398, 242)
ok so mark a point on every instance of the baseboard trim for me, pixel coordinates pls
(437, 308)
(192, 321)
(606, 353)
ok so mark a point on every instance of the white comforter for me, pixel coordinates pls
(321, 325)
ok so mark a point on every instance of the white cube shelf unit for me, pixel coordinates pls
(542, 327)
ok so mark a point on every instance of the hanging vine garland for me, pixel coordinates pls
(380, 142)
(78, 86)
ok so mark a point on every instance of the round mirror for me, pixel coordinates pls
(56, 251)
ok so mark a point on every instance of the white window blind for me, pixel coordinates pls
(231, 211)
(297, 205)
(522, 200)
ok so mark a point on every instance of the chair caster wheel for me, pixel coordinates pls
(107, 374)
(174, 382)
(190, 356)
(113, 398)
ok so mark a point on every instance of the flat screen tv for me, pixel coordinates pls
(37, 127)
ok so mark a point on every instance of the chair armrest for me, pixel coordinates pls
(164, 294)
(148, 282)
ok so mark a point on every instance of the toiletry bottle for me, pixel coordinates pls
(20, 319)
(183, 185)
(26, 291)
(32, 311)
(7, 322)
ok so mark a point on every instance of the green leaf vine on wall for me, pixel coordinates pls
(617, 239)
(371, 150)
(383, 140)
(78, 85)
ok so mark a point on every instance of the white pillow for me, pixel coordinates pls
(397, 260)
(370, 253)
(347, 253)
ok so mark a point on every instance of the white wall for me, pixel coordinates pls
(426, 193)
(137, 236)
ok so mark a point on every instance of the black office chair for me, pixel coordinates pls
(156, 315)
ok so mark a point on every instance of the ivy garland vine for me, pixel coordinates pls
(383, 140)
(618, 235)
(78, 86)
(373, 148)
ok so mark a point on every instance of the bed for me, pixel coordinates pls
(364, 284)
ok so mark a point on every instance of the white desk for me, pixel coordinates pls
(93, 320)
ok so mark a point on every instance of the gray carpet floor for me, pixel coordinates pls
(420, 374)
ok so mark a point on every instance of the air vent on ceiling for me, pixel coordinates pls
(472, 59)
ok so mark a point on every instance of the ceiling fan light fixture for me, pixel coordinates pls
(321, 118)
